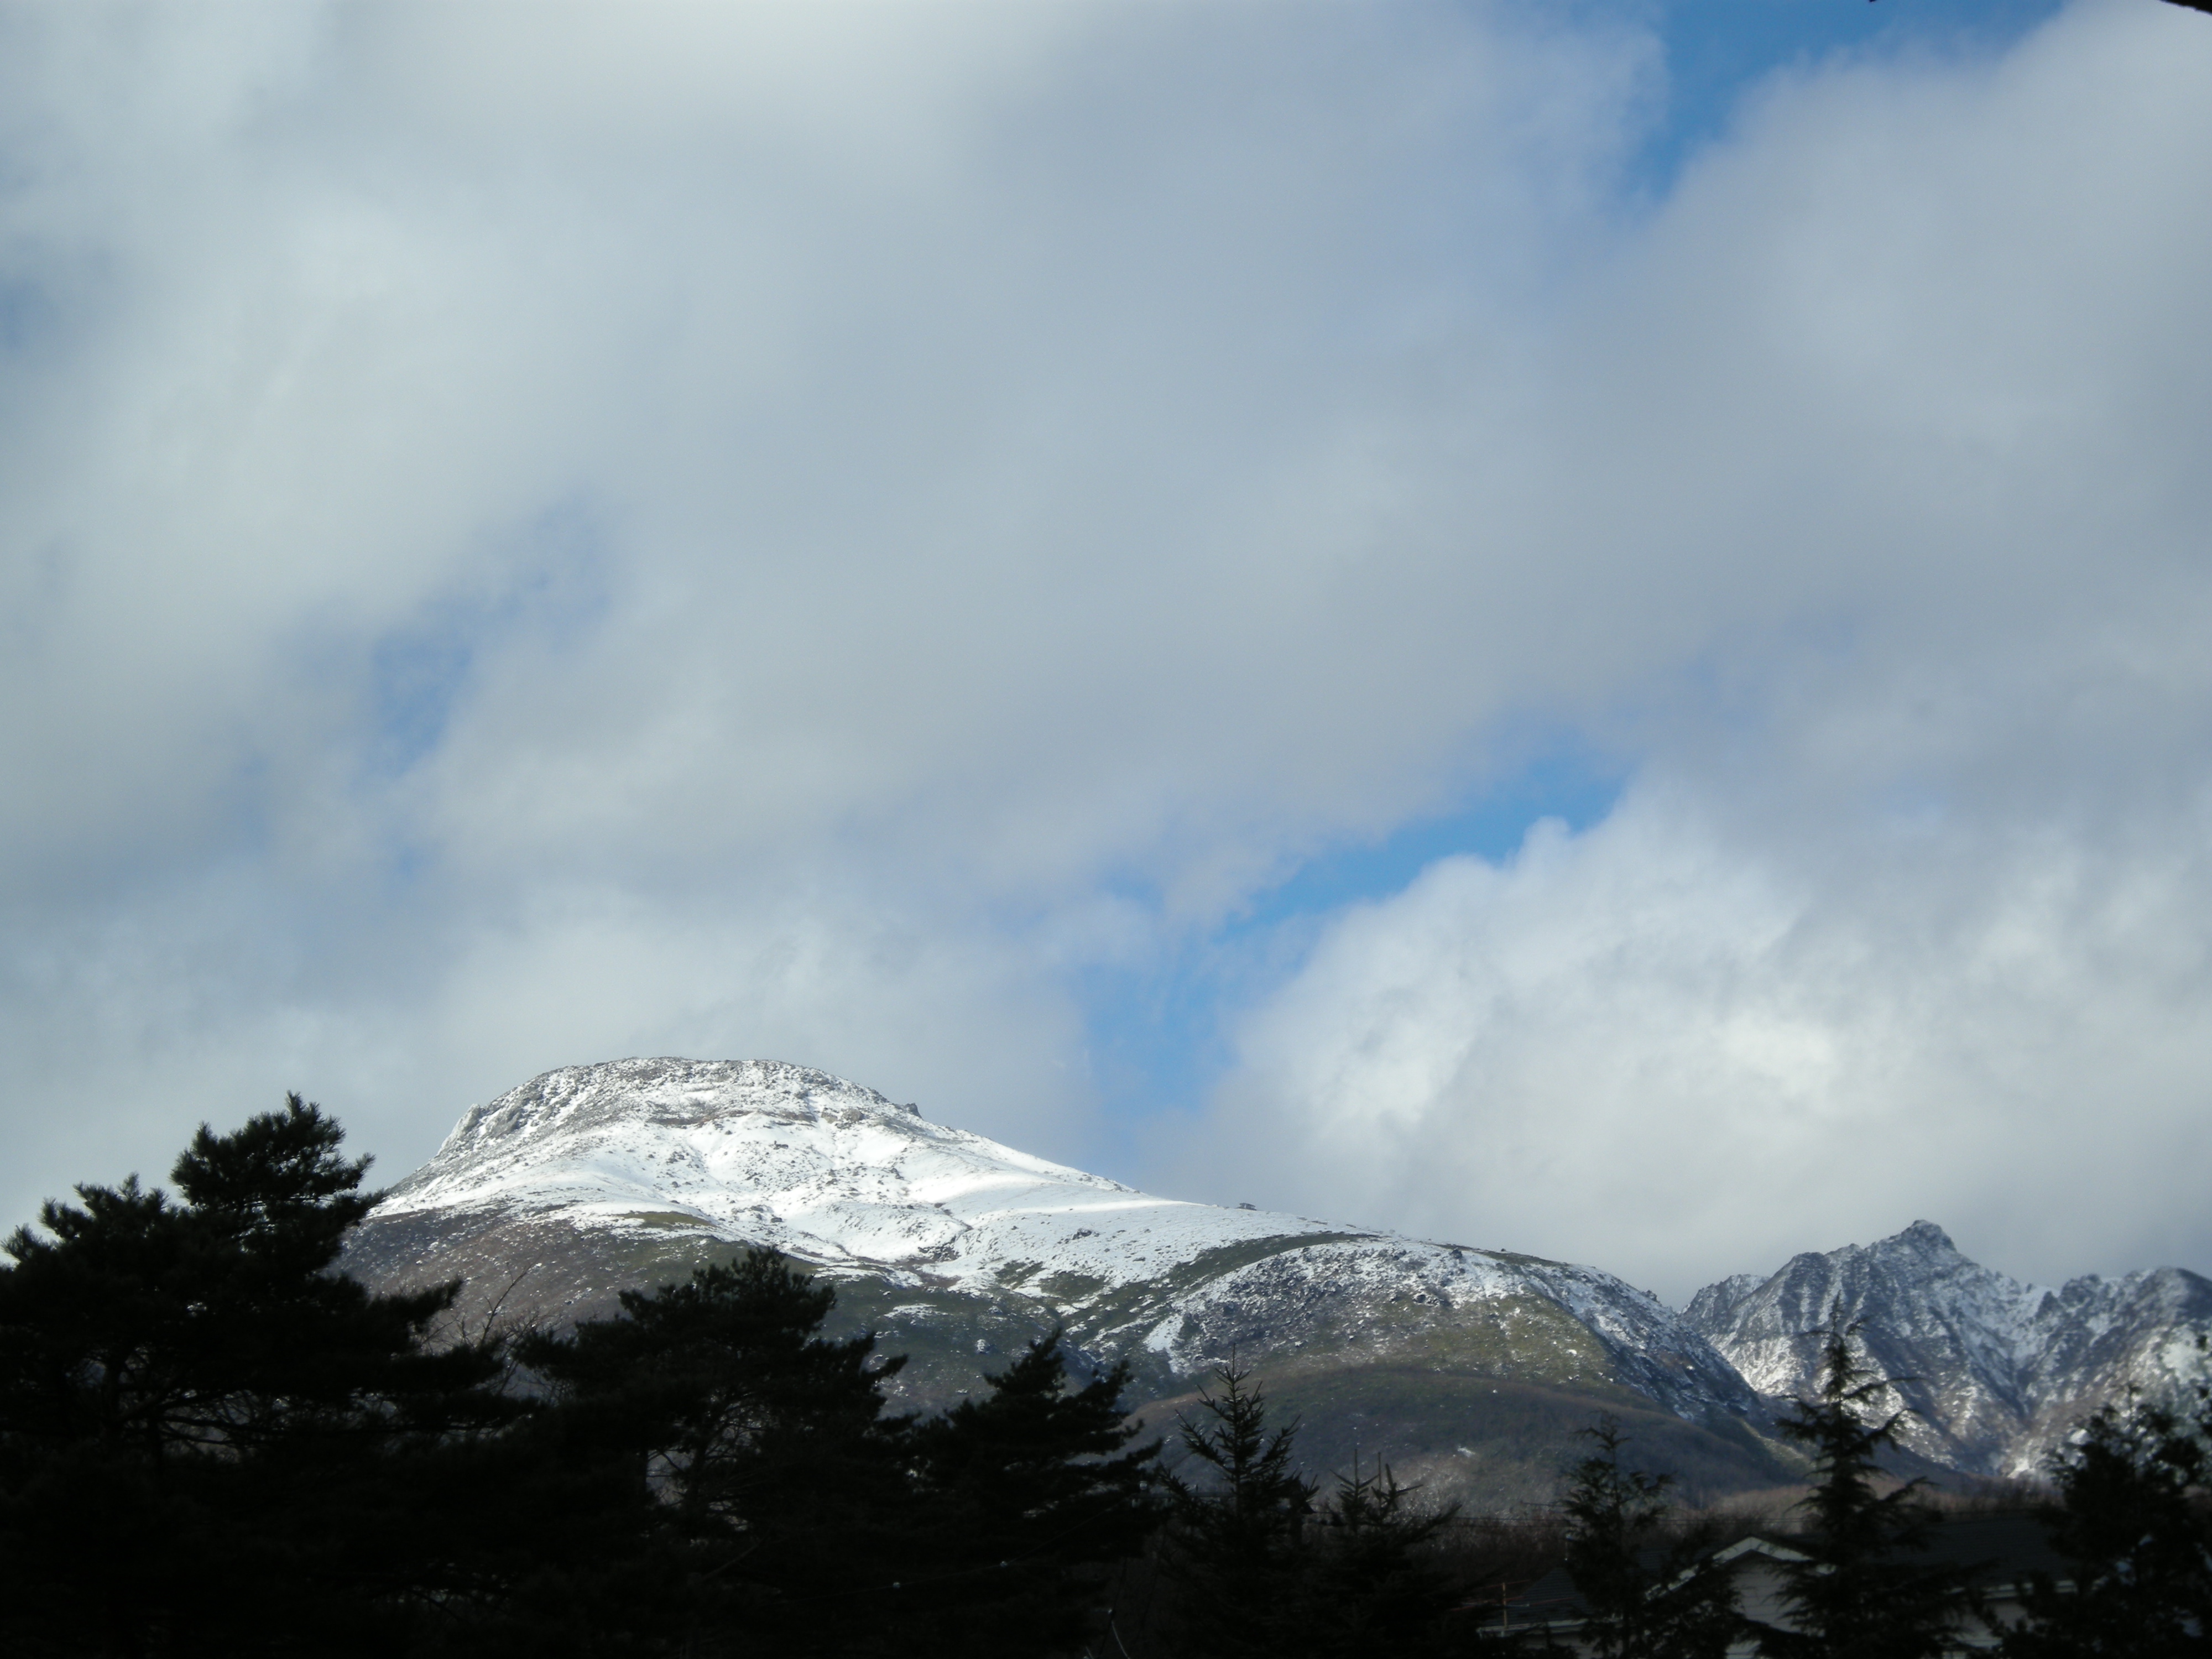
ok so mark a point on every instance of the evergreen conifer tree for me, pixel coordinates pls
(1857, 1593)
(200, 1424)
(1647, 1595)
(1237, 1548)
(2132, 1526)
(1371, 1585)
(1034, 1489)
(768, 1498)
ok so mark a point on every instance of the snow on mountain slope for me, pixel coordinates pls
(593, 1177)
(779, 1155)
(1996, 1370)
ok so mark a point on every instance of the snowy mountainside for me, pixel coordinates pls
(818, 1168)
(1999, 1370)
(592, 1179)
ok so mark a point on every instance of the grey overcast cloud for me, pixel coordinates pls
(1387, 609)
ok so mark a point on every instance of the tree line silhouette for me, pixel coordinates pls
(2127, 1517)
(212, 1442)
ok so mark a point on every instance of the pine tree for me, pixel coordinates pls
(200, 1424)
(1371, 1585)
(2137, 1538)
(1034, 1489)
(1647, 1595)
(766, 1491)
(1237, 1548)
(1857, 1594)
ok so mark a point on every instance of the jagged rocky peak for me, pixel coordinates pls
(1799, 1299)
(591, 1179)
(668, 1091)
(1997, 1369)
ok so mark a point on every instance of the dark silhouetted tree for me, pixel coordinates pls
(2132, 1527)
(1235, 1549)
(1649, 1593)
(1372, 1584)
(202, 1427)
(1033, 1491)
(1859, 1593)
(1255, 1567)
(767, 1493)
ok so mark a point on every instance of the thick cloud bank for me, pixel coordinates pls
(1908, 913)
(535, 533)
(1694, 1046)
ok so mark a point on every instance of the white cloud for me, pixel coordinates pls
(1885, 423)
(531, 533)
(1682, 1048)
(538, 531)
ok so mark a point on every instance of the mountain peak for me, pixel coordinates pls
(1994, 1371)
(665, 1089)
(804, 1162)
(592, 1179)
(1925, 1236)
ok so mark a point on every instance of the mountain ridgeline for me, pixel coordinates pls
(1468, 1368)
(1996, 1372)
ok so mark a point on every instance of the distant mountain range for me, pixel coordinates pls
(1468, 1368)
(1996, 1372)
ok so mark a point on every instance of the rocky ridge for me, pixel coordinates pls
(592, 1179)
(1996, 1371)
(1467, 1367)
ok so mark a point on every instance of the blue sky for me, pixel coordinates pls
(1717, 50)
(1159, 1027)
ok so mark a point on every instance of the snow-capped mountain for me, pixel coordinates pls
(592, 1179)
(817, 1167)
(1998, 1371)
(1470, 1368)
